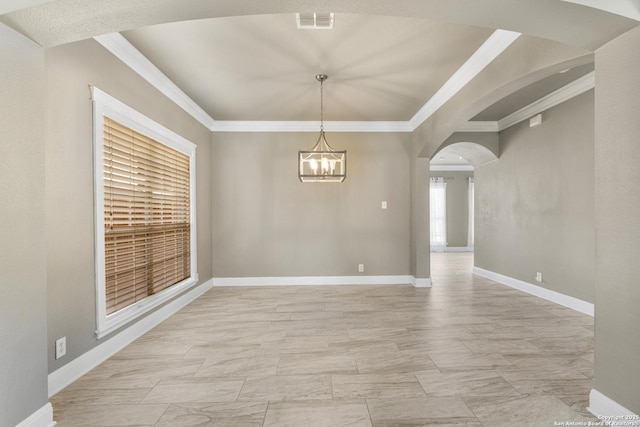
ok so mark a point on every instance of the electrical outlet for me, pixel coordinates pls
(61, 347)
(538, 277)
(360, 268)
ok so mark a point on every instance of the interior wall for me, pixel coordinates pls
(457, 207)
(420, 244)
(70, 70)
(266, 223)
(534, 207)
(617, 199)
(23, 291)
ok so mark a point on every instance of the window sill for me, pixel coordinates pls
(129, 314)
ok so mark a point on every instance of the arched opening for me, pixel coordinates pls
(452, 210)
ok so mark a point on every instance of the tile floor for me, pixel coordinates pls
(467, 352)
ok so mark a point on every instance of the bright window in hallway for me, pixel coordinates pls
(438, 214)
(144, 213)
(471, 230)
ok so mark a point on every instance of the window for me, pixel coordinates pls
(145, 237)
(471, 232)
(438, 214)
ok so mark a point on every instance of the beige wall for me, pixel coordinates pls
(617, 198)
(24, 269)
(420, 255)
(534, 207)
(69, 174)
(267, 223)
(23, 292)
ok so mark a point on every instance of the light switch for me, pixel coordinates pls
(384, 204)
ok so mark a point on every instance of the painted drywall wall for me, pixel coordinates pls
(69, 173)
(266, 223)
(420, 261)
(23, 292)
(457, 207)
(617, 200)
(535, 206)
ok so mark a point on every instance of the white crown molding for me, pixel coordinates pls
(478, 126)
(565, 93)
(66, 375)
(451, 168)
(310, 126)
(538, 291)
(134, 59)
(314, 280)
(610, 411)
(490, 49)
(43, 417)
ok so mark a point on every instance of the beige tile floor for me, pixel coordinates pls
(467, 352)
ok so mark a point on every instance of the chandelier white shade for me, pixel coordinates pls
(322, 163)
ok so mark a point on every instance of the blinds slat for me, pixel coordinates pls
(147, 214)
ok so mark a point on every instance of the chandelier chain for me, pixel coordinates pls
(321, 106)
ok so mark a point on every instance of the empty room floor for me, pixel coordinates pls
(467, 352)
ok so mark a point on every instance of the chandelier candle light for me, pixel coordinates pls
(322, 163)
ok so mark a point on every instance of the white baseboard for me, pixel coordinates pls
(459, 249)
(544, 293)
(421, 282)
(64, 376)
(314, 280)
(611, 411)
(43, 417)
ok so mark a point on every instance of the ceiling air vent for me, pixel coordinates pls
(314, 21)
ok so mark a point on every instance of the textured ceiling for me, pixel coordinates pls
(263, 67)
(55, 22)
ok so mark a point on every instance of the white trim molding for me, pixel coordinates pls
(421, 282)
(134, 59)
(43, 417)
(122, 49)
(309, 126)
(538, 291)
(316, 280)
(105, 105)
(66, 375)
(500, 40)
(478, 126)
(565, 93)
(497, 43)
(610, 411)
(451, 168)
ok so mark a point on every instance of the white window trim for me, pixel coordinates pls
(106, 105)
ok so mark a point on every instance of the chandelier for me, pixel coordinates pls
(322, 163)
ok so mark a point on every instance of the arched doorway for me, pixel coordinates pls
(452, 190)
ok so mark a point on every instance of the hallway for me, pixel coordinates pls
(467, 352)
